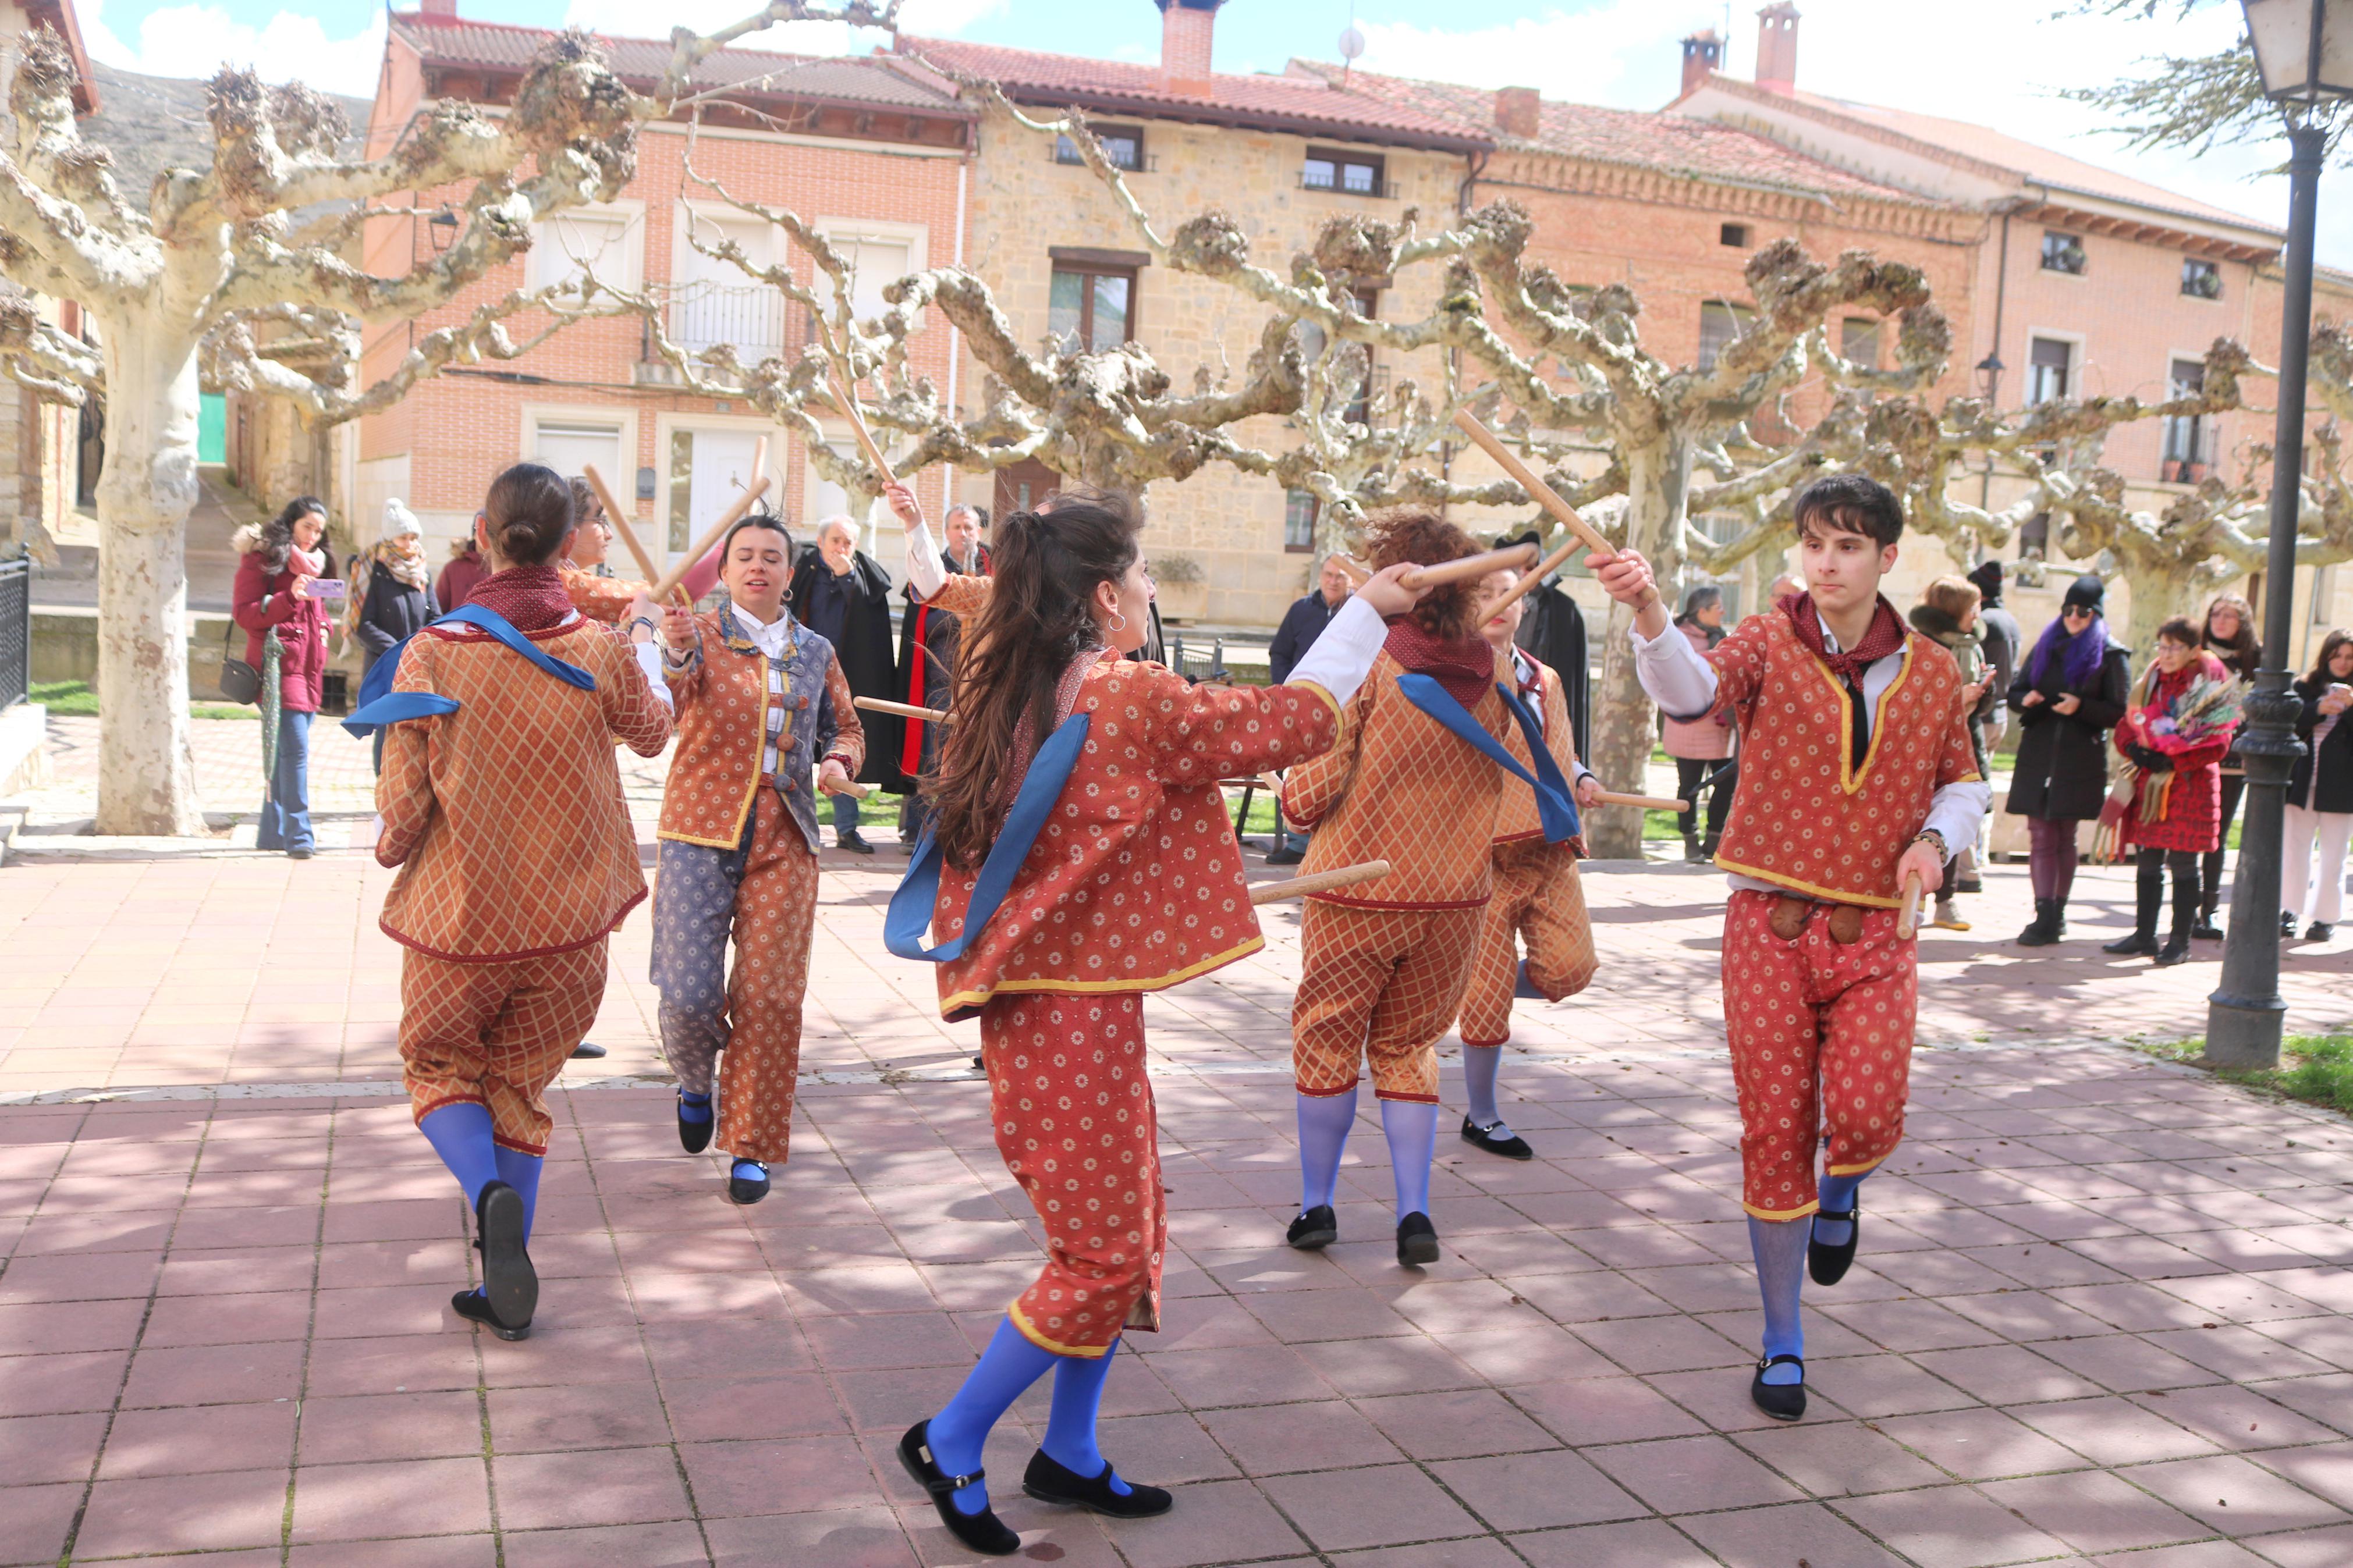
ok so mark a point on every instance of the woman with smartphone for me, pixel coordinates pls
(286, 639)
(2320, 795)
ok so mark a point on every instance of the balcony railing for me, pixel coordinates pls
(749, 317)
(2191, 449)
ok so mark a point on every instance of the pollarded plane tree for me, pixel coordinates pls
(238, 272)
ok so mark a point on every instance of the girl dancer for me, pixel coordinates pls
(1109, 768)
(761, 700)
(502, 808)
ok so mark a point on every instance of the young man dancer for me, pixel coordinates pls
(1856, 774)
(1536, 895)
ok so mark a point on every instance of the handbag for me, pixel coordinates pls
(239, 681)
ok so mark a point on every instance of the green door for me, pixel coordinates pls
(212, 428)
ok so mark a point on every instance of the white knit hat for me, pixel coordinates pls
(398, 521)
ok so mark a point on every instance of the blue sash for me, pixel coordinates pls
(1555, 803)
(380, 705)
(910, 915)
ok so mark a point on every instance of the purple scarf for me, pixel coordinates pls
(2081, 657)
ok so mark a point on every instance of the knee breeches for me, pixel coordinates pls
(1377, 986)
(1538, 899)
(496, 1034)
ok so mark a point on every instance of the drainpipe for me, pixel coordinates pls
(1993, 384)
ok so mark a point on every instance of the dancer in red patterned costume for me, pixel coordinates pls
(1856, 773)
(1537, 896)
(1092, 781)
(502, 807)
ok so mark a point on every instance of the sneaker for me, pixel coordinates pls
(852, 842)
(1283, 857)
(1948, 919)
(2320, 931)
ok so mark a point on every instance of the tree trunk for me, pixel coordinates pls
(2160, 591)
(1658, 488)
(146, 774)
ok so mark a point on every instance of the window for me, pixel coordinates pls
(2062, 253)
(1123, 143)
(875, 262)
(1090, 307)
(2201, 279)
(570, 245)
(2186, 435)
(570, 449)
(1859, 342)
(2048, 364)
(1353, 174)
(1719, 325)
(1299, 512)
(1733, 234)
(714, 302)
(2034, 537)
(1311, 347)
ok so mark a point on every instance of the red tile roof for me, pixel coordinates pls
(1672, 144)
(1307, 106)
(641, 62)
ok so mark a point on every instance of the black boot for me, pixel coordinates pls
(2185, 919)
(1691, 847)
(2143, 940)
(1708, 846)
(2043, 929)
(2206, 930)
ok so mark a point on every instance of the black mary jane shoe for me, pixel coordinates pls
(584, 1052)
(983, 1531)
(1781, 1401)
(473, 1306)
(1416, 1241)
(1827, 1264)
(508, 1282)
(1314, 1229)
(743, 1189)
(1049, 1480)
(1510, 1146)
(693, 1136)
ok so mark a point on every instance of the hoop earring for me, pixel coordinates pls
(1118, 622)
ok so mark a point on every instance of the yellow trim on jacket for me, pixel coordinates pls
(1850, 781)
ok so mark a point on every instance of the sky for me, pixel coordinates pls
(1996, 62)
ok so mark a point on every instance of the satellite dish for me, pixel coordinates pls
(1352, 43)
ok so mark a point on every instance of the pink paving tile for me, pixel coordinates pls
(410, 1363)
(1831, 1460)
(152, 1515)
(2242, 1418)
(1164, 1450)
(2230, 1494)
(1479, 1552)
(1605, 1410)
(608, 1546)
(60, 1385)
(2094, 1512)
(732, 1479)
(622, 1486)
(1794, 1532)
(559, 1353)
(1455, 1424)
(2196, 1554)
(1528, 1353)
(43, 1448)
(2006, 1374)
(799, 1404)
(416, 1552)
(350, 1428)
(1343, 1510)
(1881, 1385)
(215, 1374)
(709, 1347)
(238, 1271)
(1640, 1543)
(96, 1277)
(581, 1415)
(1950, 1527)
(1273, 1439)
(133, 1231)
(1538, 1492)
(1267, 1375)
(35, 1520)
(1683, 1474)
(1361, 1369)
(2328, 1547)
(2112, 1431)
(184, 1321)
(850, 1537)
(420, 1497)
(199, 1439)
(51, 1327)
(296, 1226)
(2324, 1469)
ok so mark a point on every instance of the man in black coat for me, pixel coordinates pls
(840, 593)
(1552, 630)
(1302, 625)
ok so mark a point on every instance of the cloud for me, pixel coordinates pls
(196, 40)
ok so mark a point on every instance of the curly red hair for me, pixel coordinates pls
(1420, 535)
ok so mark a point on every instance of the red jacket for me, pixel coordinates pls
(261, 604)
(2191, 818)
(457, 579)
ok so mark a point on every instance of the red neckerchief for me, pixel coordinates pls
(532, 598)
(1885, 636)
(1464, 669)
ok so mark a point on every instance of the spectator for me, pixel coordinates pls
(967, 527)
(391, 593)
(286, 640)
(2069, 694)
(2004, 644)
(1783, 586)
(458, 578)
(928, 640)
(840, 593)
(1947, 616)
(2228, 635)
(2173, 815)
(1302, 625)
(2320, 794)
(1701, 745)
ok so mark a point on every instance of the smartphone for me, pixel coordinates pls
(328, 590)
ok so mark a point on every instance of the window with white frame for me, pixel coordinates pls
(2050, 369)
(568, 246)
(713, 300)
(569, 446)
(875, 262)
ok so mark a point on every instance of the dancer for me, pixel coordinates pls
(2185, 709)
(1859, 775)
(603, 599)
(1384, 966)
(761, 704)
(1110, 768)
(1536, 893)
(503, 809)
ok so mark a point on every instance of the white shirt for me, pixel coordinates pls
(772, 640)
(1683, 682)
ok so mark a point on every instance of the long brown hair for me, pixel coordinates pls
(1420, 535)
(2242, 653)
(2321, 674)
(1039, 616)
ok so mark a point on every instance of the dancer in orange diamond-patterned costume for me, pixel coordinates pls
(1537, 896)
(1082, 858)
(1856, 774)
(763, 705)
(502, 807)
(604, 598)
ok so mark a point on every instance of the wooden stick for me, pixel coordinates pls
(1907, 913)
(1354, 568)
(1470, 566)
(1266, 782)
(1535, 574)
(1647, 802)
(669, 580)
(853, 789)
(1543, 494)
(1299, 887)
(858, 421)
(614, 515)
(904, 709)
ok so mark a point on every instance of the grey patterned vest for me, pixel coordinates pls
(810, 723)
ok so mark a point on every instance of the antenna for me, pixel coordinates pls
(1352, 44)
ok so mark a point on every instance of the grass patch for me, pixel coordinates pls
(75, 699)
(2314, 1068)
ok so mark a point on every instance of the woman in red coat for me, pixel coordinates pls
(286, 640)
(2175, 813)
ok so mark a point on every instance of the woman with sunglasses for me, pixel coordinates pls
(2068, 695)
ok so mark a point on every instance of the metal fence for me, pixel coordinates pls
(15, 629)
(750, 316)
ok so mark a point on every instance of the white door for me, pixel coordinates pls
(717, 468)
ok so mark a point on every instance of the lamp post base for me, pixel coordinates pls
(2243, 1031)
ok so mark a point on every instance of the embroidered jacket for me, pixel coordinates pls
(961, 595)
(1805, 817)
(1136, 883)
(603, 599)
(1539, 687)
(1399, 787)
(725, 694)
(506, 817)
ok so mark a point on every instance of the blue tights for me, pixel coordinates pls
(1005, 1370)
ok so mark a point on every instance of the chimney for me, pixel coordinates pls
(1777, 48)
(1518, 111)
(1702, 56)
(446, 9)
(1185, 27)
